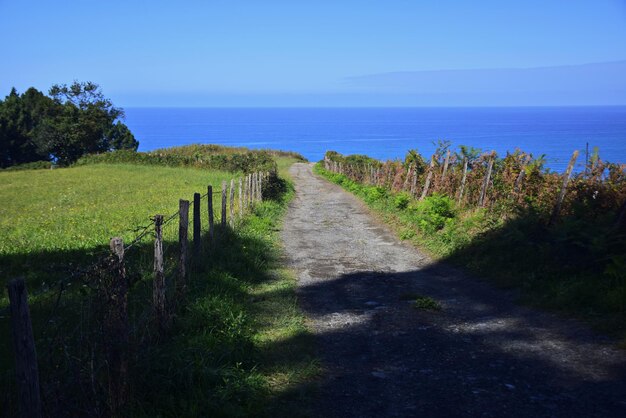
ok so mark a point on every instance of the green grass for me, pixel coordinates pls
(426, 303)
(576, 267)
(243, 340)
(83, 207)
(238, 346)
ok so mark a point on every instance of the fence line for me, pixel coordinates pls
(107, 276)
(483, 180)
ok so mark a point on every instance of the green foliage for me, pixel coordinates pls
(237, 345)
(75, 120)
(426, 303)
(401, 200)
(375, 193)
(35, 165)
(85, 206)
(355, 159)
(205, 157)
(434, 212)
(575, 266)
(471, 154)
(19, 116)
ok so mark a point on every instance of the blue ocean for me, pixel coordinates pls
(389, 132)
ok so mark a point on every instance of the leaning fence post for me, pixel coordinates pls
(566, 177)
(462, 187)
(261, 186)
(223, 220)
(116, 323)
(158, 288)
(197, 228)
(408, 176)
(248, 191)
(210, 209)
(240, 197)
(231, 221)
(483, 190)
(26, 368)
(183, 236)
(253, 181)
(445, 167)
(428, 177)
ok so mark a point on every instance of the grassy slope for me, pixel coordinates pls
(83, 207)
(518, 252)
(240, 347)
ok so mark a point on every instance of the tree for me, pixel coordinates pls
(19, 115)
(76, 120)
(87, 122)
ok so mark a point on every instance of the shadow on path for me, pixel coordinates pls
(480, 355)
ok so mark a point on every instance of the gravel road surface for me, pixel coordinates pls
(480, 355)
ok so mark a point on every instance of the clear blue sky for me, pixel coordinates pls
(268, 52)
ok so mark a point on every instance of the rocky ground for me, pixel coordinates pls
(479, 355)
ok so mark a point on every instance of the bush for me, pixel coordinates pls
(375, 193)
(245, 161)
(35, 165)
(434, 212)
(402, 200)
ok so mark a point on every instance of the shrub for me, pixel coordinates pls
(434, 212)
(35, 165)
(205, 157)
(375, 193)
(402, 200)
(427, 303)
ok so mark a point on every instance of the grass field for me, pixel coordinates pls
(239, 346)
(83, 207)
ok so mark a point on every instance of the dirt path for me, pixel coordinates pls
(481, 355)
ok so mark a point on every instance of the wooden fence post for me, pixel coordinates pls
(158, 288)
(261, 186)
(242, 201)
(26, 368)
(223, 220)
(253, 187)
(408, 177)
(240, 198)
(210, 209)
(428, 177)
(117, 333)
(197, 228)
(246, 196)
(462, 187)
(248, 190)
(231, 221)
(414, 182)
(483, 190)
(566, 177)
(445, 167)
(183, 236)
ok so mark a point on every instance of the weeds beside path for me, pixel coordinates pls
(400, 335)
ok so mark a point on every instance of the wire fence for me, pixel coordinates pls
(83, 325)
(486, 180)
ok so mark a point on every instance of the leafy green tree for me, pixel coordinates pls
(86, 123)
(76, 120)
(18, 117)
(415, 159)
